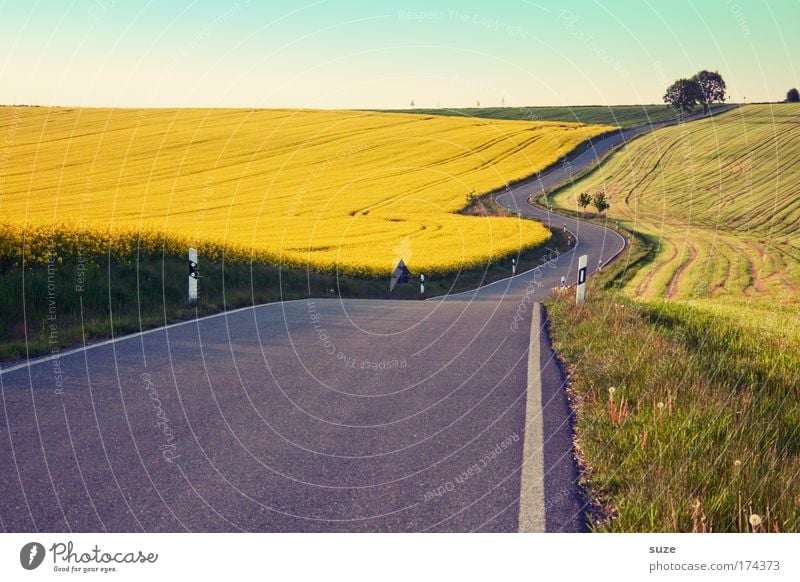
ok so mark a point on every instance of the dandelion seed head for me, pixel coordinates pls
(755, 520)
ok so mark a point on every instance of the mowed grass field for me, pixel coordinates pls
(344, 190)
(686, 360)
(721, 199)
(615, 115)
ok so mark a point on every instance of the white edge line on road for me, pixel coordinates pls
(55, 356)
(531, 488)
(60, 354)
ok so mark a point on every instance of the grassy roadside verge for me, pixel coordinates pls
(686, 420)
(48, 306)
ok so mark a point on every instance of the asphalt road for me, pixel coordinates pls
(312, 415)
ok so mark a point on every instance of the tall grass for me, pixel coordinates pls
(686, 420)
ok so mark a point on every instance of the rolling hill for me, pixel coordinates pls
(349, 190)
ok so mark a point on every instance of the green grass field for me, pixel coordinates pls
(617, 115)
(696, 329)
(686, 421)
(722, 198)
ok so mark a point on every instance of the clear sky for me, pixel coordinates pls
(360, 54)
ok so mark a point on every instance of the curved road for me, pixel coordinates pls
(311, 415)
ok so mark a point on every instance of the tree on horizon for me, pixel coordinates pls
(712, 88)
(683, 95)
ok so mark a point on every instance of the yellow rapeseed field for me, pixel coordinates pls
(326, 189)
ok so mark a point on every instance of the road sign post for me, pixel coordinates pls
(194, 273)
(422, 284)
(513, 267)
(400, 275)
(580, 290)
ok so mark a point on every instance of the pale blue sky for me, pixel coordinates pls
(383, 54)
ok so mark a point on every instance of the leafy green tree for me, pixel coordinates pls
(601, 202)
(712, 88)
(584, 200)
(683, 95)
(792, 96)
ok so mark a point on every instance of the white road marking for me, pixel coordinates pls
(531, 497)
(64, 353)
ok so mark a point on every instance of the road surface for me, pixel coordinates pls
(310, 415)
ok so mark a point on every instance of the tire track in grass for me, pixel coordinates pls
(689, 254)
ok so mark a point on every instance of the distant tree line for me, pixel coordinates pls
(704, 88)
(792, 96)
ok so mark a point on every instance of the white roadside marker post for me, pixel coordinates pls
(194, 273)
(580, 290)
(422, 285)
(513, 267)
(563, 282)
